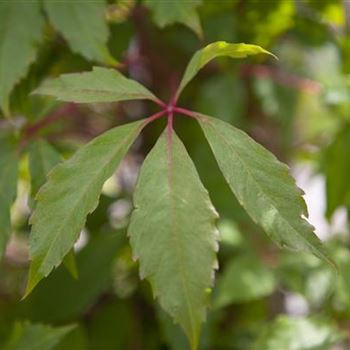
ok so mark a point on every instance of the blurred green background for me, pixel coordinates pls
(298, 107)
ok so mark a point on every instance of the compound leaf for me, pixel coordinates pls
(180, 11)
(263, 186)
(217, 49)
(20, 31)
(99, 85)
(8, 190)
(172, 233)
(70, 194)
(83, 25)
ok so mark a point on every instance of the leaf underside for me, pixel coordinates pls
(84, 27)
(70, 194)
(173, 235)
(263, 186)
(21, 27)
(99, 85)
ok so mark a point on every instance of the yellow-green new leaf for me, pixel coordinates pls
(8, 191)
(263, 186)
(179, 11)
(99, 85)
(173, 235)
(70, 194)
(83, 25)
(21, 27)
(217, 49)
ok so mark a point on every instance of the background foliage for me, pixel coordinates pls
(297, 107)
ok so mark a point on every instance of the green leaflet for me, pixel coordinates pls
(83, 25)
(172, 233)
(213, 50)
(263, 186)
(26, 336)
(181, 11)
(299, 333)
(70, 194)
(42, 158)
(8, 191)
(20, 31)
(244, 279)
(99, 85)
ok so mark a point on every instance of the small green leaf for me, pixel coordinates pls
(244, 279)
(83, 25)
(263, 186)
(26, 336)
(299, 333)
(172, 233)
(179, 11)
(70, 194)
(214, 50)
(21, 27)
(99, 85)
(8, 190)
(42, 158)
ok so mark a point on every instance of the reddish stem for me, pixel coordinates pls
(155, 116)
(186, 112)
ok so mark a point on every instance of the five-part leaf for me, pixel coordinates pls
(99, 85)
(8, 190)
(70, 194)
(20, 31)
(181, 11)
(172, 233)
(213, 50)
(83, 25)
(263, 186)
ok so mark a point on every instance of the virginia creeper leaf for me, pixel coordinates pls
(70, 194)
(99, 85)
(8, 190)
(20, 31)
(263, 186)
(181, 11)
(83, 25)
(26, 336)
(213, 50)
(172, 233)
